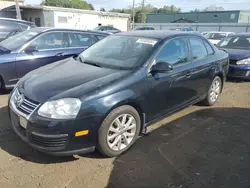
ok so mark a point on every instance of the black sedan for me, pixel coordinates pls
(108, 95)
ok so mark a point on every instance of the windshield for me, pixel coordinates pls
(98, 28)
(20, 39)
(119, 52)
(235, 42)
(215, 36)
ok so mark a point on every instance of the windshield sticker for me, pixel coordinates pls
(146, 41)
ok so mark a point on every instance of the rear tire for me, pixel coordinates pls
(213, 92)
(119, 131)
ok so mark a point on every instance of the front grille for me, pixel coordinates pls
(55, 142)
(24, 104)
(233, 62)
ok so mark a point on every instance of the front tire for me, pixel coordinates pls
(119, 131)
(213, 92)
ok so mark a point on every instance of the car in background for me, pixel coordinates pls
(203, 33)
(107, 96)
(186, 29)
(107, 29)
(216, 37)
(11, 27)
(144, 28)
(37, 47)
(238, 48)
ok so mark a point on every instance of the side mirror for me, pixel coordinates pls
(31, 49)
(161, 67)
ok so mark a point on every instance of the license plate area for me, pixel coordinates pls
(23, 122)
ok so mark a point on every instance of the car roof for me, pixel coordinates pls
(45, 29)
(15, 20)
(243, 34)
(158, 34)
(218, 32)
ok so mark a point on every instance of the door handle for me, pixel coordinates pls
(188, 75)
(60, 54)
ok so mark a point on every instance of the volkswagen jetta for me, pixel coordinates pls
(108, 95)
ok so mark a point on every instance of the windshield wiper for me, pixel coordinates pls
(89, 62)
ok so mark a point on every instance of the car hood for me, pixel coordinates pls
(67, 78)
(238, 54)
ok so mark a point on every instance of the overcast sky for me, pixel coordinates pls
(185, 5)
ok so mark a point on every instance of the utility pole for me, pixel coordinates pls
(18, 13)
(133, 15)
(142, 11)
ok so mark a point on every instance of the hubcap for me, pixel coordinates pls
(121, 132)
(215, 91)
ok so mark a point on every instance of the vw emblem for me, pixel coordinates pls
(19, 100)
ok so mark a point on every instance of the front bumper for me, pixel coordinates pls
(239, 71)
(56, 137)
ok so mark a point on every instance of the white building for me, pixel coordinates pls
(71, 18)
(8, 3)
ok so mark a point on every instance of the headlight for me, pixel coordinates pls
(244, 62)
(67, 108)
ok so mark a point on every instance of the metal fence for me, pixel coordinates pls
(202, 27)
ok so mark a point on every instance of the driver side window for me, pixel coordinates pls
(175, 52)
(51, 41)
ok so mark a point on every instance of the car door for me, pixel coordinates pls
(45, 49)
(203, 62)
(78, 42)
(172, 90)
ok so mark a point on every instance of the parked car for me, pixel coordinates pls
(238, 47)
(104, 98)
(11, 27)
(216, 37)
(144, 28)
(37, 47)
(187, 29)
(107, 29)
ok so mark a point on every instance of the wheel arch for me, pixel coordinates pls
(2, 84)
(222, 77)
(133, 104)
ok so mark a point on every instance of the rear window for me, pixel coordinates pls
(100, 37)
(18, 40)
(23, 27)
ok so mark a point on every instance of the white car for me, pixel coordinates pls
(216, 37)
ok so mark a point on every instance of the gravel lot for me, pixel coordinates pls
(197, 147)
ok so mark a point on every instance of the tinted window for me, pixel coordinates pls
(210, 50)
(215, 36)
(174, 52)
(198, 48)
(18, 40)
(80, 40)
(235, 42)
(110, 28)
(8, 25)
(51, 41)
(100, 37)
(23, 27)
(119, 52)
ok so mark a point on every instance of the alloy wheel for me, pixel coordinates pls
(121, 132)
(215, 91)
